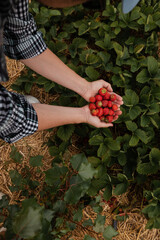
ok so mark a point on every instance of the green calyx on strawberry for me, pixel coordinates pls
(102, 91)
(98, 104)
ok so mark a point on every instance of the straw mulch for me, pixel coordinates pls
(133, 228)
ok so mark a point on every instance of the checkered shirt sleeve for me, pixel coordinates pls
(21, 38)
(18, 118)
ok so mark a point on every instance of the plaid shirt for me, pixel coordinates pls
(21, 41)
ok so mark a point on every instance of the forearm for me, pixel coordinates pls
(50, 66)
(52, 116)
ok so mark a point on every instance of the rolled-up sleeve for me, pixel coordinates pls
(21, 38)
(18, 118)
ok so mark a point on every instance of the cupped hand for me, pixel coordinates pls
(93, 88)
(95, 121)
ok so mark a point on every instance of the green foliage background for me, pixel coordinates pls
(121, 49)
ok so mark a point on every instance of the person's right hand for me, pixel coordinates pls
(95, 121)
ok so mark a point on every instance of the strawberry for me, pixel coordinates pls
(104, 103)
(92, 106)
(102, 118)
(98, 97)
(102, 91)
(106, 96)
(109, 119)
(109, 104)
(113, 97)
(92, 99)
(105, 111)
(94, 112)
(111, 112)
(120, 210)
(100, 113)
(98, 104)
(114, 107)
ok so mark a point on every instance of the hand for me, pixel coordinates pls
(93, 88)
(95, 121)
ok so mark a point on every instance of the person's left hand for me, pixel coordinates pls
(93, 88)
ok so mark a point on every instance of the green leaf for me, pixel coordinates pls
(133, 141)
(102, 150)
(36, 161)
(77, 160)
(143, 76)
(78, 188)
(145, 120)
(146, 168)
(99, 223)
(65, 132)
(54, 12)
(141, 135)
(134, 112)
(53, 174)
(130, 98)
(108, 192)
(83, 28)
(112, 144)
(96, 140)
(152, 65)
(118, 49)
(131, 126)
(78, 215)
(15, 155)
(154, 156)
(87, 237)
(28, 223)
(138, 48)
(95, 162)
(16, 177)
(120, 188)
(92, 73)
(122, 159)
(86, 171)
(109, 233)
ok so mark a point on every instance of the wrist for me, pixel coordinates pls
(83, 89)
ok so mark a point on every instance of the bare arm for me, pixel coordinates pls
(50, 66)
(52, 116)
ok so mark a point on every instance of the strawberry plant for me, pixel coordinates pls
(121, 49)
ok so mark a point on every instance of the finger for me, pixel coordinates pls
(118, 112)
(115, 118)
(107, 85)
(119, 98)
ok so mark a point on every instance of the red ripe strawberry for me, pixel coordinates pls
(94, 112)
(106, 96)
(100, 113)
(92, 106)
(104, 103)
(98, 97)
(105, 111)
(109, 104)
(111, 112)
(102, 91)
(114, 107)
(120, 210)
(92, 99)
(98, 104)
(113, 97)
(109, 119)
(102, 118)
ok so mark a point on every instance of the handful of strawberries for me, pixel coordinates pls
(103, 105)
